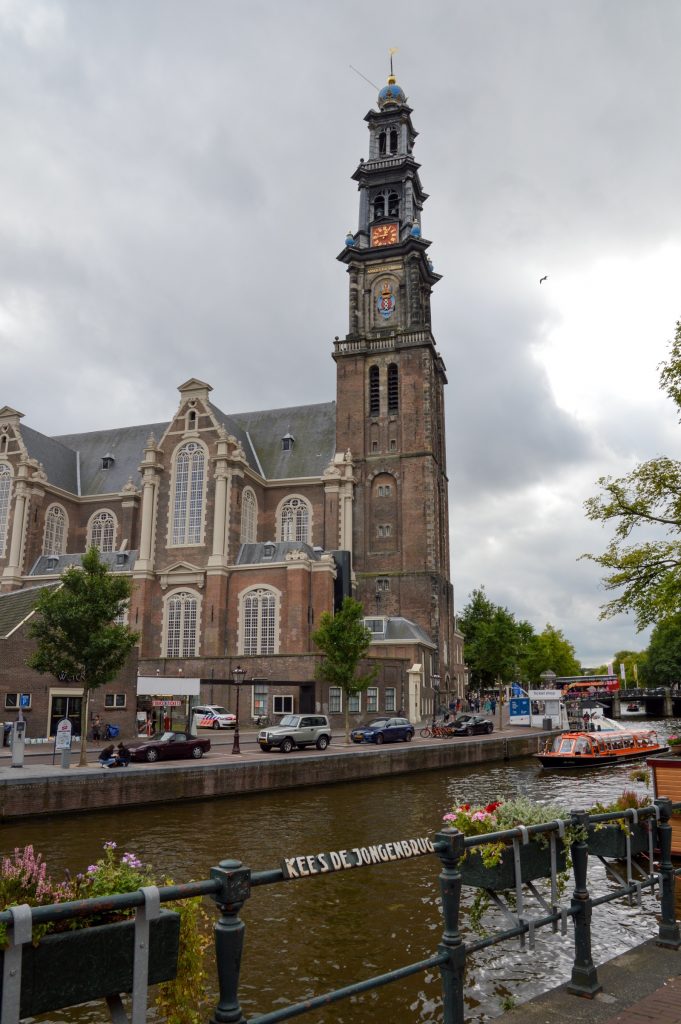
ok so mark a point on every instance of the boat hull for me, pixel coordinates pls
(595, 760)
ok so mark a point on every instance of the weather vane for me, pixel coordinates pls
(391, 51)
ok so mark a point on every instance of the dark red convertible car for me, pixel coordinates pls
(169, 746)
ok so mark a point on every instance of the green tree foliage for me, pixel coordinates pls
(549, 650)
(344, 640)
(75, 630)
(494, 641)
(662, 665)
(644, 576)
(633, 662)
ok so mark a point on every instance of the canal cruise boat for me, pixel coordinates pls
(606, 742)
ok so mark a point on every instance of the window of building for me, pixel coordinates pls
(260, 695)
(390, 698)
(102, 530)
(372, 700)
(393, 444)
(379, 206)
(393, 389)
(381, 143)
(385, 530)
(335, 700)
(393, 140)
(15, 701)
(107, 461)
(282, 705)
(376, 627)
(384, 490)
(374, 391)
(382, 584)
(114, 700)
(249, 516)
(54, 538)
(5, 493)
(355, 703)
(4, 443)
(190, 470)
(259, 615)
(287, 443)
(295, 520)
(393, 204)
(181, 623)
(374, 446)
(191, 419)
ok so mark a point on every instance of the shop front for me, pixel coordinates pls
(163, 703)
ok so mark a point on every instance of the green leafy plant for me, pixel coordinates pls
(627, 800)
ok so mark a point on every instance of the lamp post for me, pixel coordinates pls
(239, 674)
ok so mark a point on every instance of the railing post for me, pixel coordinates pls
(669, 934)
(235, 888)
(449, 845)
(584, 980)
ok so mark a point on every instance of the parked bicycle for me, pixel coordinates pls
(262, 720)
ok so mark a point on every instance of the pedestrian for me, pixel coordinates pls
(97, 729)
(122, 757)
(107, 756)
(493, 705)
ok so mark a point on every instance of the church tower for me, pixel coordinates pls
(390, 389)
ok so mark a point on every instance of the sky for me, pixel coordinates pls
(176, 186)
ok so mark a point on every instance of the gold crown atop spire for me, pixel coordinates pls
(391, 76)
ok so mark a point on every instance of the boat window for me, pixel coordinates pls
(582, 746)
(556, 745)
(566, 746)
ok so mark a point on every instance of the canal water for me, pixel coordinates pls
(309, 936)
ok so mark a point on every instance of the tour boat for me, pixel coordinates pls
(607, 742)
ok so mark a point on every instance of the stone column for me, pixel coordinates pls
(222, 488)
(150, 470)
(11, 576)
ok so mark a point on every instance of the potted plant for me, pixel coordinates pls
(609, 839)
(82, 959)
(674, 744)
(492, 866)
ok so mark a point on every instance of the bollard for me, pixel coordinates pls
(669, 934)
(235, 889)
(449, 845)
(584, 980)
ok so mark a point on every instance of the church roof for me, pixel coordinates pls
(115, 561)
(125, 444)
(16, 606)
(59, 460)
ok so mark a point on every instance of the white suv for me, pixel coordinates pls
(212, 716)
(297, 731)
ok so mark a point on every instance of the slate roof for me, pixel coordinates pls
(126, 444)
(58, 458)
(115, 561)
(399, 630)
(265, 553)
(15, 606)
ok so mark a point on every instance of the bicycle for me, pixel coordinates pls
(261, 720)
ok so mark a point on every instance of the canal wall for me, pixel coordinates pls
(43, 789)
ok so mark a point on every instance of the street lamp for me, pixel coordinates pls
(239, 674)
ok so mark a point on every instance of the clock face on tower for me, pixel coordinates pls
(384, 234)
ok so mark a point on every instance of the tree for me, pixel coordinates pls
(75, 630)
(494, 641)
(344, 640)
(662, 665)
(550, 650)
(645, 574)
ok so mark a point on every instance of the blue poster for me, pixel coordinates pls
(519, 706)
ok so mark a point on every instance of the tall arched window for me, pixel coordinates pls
(102, 531)
(5, 494)
(54, 538)
(374, 391)
(249, 516)
(259, 615)
(393, 389)
(190, 471)
(393, 140)
(181, 625)
(295, 520)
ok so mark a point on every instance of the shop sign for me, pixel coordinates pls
(166, 703)
(63, 735)
(359, 856)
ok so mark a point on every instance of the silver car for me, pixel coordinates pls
(297, 731)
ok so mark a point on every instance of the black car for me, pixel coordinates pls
(467, 725)
(169, 746)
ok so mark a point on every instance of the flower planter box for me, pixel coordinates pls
(89, 963)
(611, 841)
(535, 862)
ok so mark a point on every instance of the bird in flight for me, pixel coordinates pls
(542, 279)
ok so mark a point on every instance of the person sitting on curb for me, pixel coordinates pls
(122, 757)
(107, 757)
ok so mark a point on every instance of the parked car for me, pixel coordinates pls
(383, 730)
(297, 731)
(470, 724)
(214, 717)
(170, 746)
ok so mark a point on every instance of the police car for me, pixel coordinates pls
(212, 716)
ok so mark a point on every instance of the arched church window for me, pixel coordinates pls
(5, 493)
(102, 531)
(381, 143)
(260, 622)
(393, 389)
(379, 206)
(393, 140)
(393, 204)
(295, 520)
(374, 392)
(54, 539)
(190, 466)
(249, 516)
(181, 625)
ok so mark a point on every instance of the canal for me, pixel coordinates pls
(307, 937)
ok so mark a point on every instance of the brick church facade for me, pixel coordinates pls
(238, 530)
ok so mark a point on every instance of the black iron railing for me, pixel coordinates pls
(232, 883)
